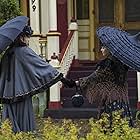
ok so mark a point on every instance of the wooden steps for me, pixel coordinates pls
(88, 110)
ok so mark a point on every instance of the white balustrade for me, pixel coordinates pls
(71, 51)
(63, 66)
(68, 57)
(39, 45)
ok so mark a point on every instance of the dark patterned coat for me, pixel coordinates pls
(107, 85)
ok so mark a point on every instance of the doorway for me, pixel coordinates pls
(91, 14)
(82, 16)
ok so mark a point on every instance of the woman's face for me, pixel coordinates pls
(105, 51)
(25, 39)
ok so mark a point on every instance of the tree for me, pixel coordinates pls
(8, 9)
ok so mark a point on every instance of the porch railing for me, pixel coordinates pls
(39, 45)
(68, 53)
(70, 50)
(63, 63)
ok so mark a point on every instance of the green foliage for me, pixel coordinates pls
(76, 130)
(66, 131)
(6, 133)
(120, 129)
(8, 10)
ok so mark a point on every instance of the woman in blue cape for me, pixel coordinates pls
(23, 74)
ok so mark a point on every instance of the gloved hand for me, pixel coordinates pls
(77, 83)
(68, 82)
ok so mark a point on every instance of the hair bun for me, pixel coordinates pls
(28, 30)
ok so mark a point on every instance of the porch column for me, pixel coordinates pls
(24, 8)
(55, 96)
(44, 17)
(34, 16)
(40, 101)
(53, 35)
(53, 48)
(92, 29)
(34, 23)
(73, 26)
(138, 86)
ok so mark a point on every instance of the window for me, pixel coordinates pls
(82, 9)
(106, 11)
(132, 10)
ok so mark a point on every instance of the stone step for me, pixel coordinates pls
(132, 82)
(132, 73)
(68, 92)
(80, 72)
(67, 103)
(71, 113)
(91, 69)
(83, 68)
(75, 113)
(132, 91)
(88, 110)
(87, 63)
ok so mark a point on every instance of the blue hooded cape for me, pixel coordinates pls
(23, 73)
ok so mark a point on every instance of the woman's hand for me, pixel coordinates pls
(68, 82)
(77, 83)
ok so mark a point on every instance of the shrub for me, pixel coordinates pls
(6, 133)
(119, 130)
(67, 130)
(92, 129)
(8, 10)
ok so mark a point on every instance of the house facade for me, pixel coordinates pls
(54, 20)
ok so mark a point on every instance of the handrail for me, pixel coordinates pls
(69, 52)
(66, 47)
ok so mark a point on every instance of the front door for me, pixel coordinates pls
(124, 14)
(82, 16)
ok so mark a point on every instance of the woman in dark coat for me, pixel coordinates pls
(107, 86)
(23, 74)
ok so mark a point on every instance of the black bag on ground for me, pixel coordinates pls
(77, 99)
